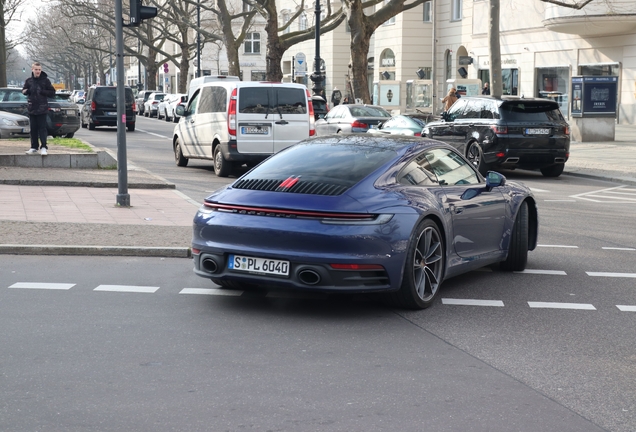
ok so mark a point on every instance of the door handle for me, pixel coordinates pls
(282, 122)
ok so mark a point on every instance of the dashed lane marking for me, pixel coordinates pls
(545, 272)
(552, 305)
(619, 248)
(616, 275)
(211, 291)
(559, 200)
(626, 308)
(127, 288)
(35, 285)
(152, 133)
(558, 246)
(538, 190)
(472, 302)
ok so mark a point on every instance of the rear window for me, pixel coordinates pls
(319, 105)
(283, 100)
(525, 111)
(109, 95)
(321, 168)
(369, 112)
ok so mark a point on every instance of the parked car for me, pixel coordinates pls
(241, 122)
(14, 125)
(509, 132)
(151, 105)
(78, 96)
(171, 115)
(161, 108)
(100, 108)
(321, 108)
(351, 119)
(62, 118)
(141, 99)
(365, 213)
(400, 125)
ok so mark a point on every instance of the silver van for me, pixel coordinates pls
(241, 122)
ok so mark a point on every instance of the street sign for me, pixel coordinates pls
(300, 64)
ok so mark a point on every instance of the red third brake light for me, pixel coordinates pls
(231, 115)
(312, 118)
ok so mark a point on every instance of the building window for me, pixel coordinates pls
(391, 20)
(259, 76)
(302, 22)
(427, 12)
(456, 13)
(448, 64)
(285, 20)
(252, 43)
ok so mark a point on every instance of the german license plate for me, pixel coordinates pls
(537, 131)
(111, 113)
(26, 130)
(258, 265)
(70, 113)
(254, 130)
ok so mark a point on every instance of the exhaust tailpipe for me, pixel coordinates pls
(309, 277)
(209, 265)
(512, 160)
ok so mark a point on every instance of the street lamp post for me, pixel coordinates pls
(316, 77)
(198, 39)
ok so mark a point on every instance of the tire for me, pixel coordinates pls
(475, 155)
(424, 268)
(69, 135)
(166, 117)
(145, 114)
(175, 119)
(553, 170)
(518, 251)
(82, 122)
(222, 167)
(131, 127)
(91, 126)
(179, 159)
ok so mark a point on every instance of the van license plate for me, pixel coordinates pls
(111, 113)
(537, 131)
(258, 265)
(254, 130)
(70, 113)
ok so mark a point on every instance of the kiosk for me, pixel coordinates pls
(593, 108)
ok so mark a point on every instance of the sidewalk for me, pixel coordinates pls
(73, 211)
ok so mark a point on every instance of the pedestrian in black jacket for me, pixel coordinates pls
(38, 88)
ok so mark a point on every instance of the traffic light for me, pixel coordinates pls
(138, 12)
(165, 68)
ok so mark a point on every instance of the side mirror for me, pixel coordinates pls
(494, 179)
(180, 110)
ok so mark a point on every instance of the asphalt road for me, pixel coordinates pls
(551, 348)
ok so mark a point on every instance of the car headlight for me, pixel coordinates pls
(9, 122)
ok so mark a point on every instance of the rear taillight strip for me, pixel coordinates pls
(260, 211)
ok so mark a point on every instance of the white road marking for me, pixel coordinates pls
(559, 246)
(211, 291)
(37, 285)
(604, 274)
(559, 200)
(151, 133)
(127, 288)
(619, 248)
(626, 308)
(546, 272)
(620, 193)
(538, 190)
(549, 305)
(472, 302)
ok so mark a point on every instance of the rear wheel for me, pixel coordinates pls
(82, 122)
(69, 135)
(178, 155)
(131, 127)
(553, 170)
(222, 167)
(166, 117)
(424, 268)
(476, 156)
(175, 119)
(91, 126)
(518, 251)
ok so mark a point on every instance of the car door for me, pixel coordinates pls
(444, 130)
(187, 126)
(256, 114)
(291, 123)
(478, 214)
(466, 125)
(334, 121)
(15, 102)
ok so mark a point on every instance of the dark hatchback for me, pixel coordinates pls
(100, 107)
(507, 132)
(63, 116)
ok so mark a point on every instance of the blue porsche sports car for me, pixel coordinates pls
(360, 213)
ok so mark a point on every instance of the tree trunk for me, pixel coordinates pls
(184, 68)
(496, 85)
(275, 50)
(3, 48)
(359, 47)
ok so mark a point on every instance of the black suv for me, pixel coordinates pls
(509, 132)
(100, 107)
(61, 120)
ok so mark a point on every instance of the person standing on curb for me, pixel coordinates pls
(38, 88)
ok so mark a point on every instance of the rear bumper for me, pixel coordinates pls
(230, 153)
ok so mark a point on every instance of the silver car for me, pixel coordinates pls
(348, 119)
(14, 125)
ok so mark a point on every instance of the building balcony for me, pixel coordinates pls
(605, 18)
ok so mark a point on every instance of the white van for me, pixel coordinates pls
(195, 83)
(241, 122)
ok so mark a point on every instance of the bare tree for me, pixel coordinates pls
(362, 28)
(8, 12)
(572, 5)
(496, 85)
